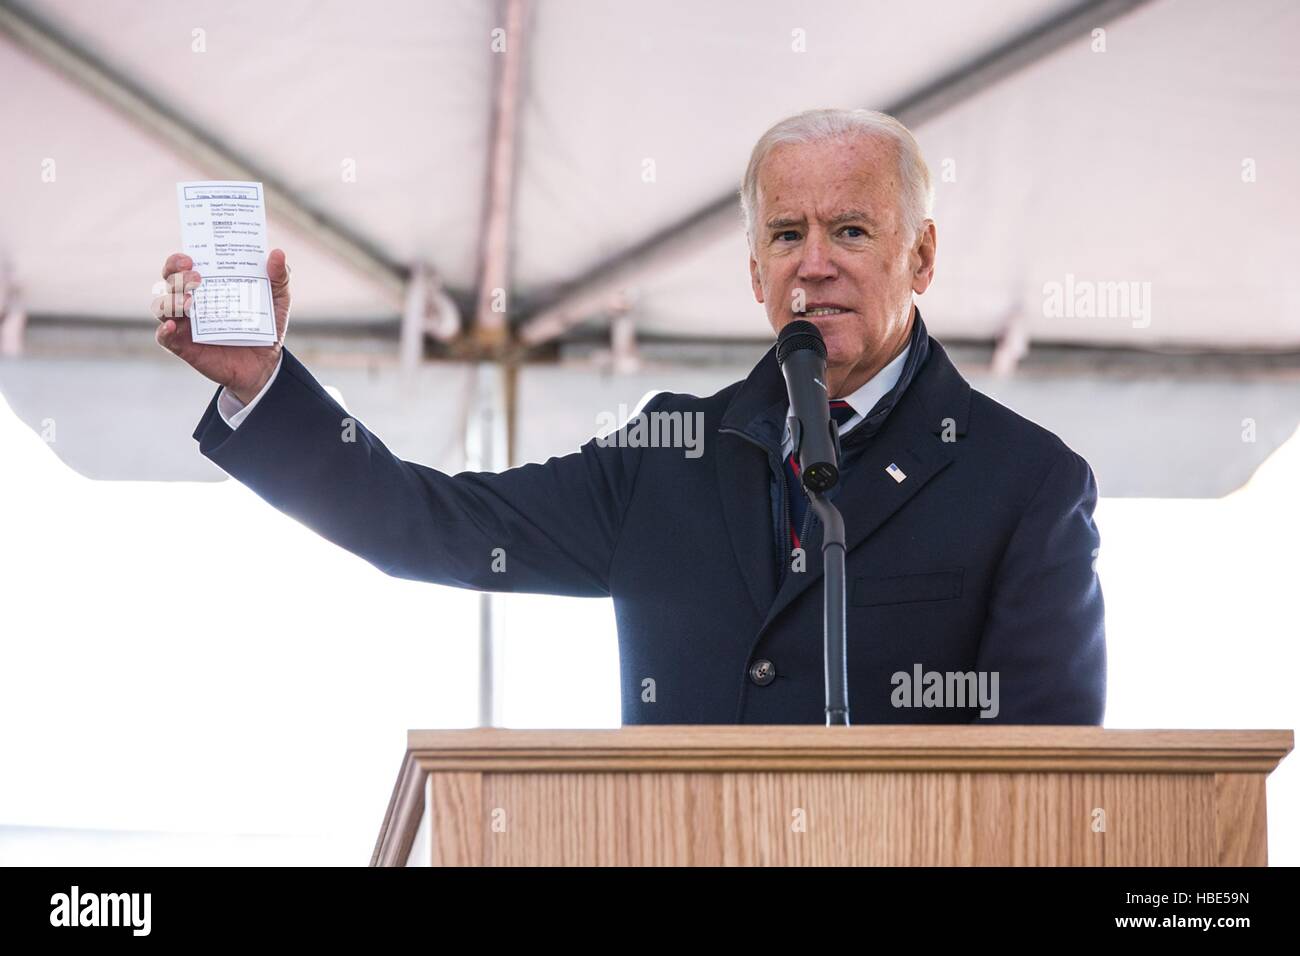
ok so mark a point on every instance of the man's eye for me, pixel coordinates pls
(860, 232)
(788, 232)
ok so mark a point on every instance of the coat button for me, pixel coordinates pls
(762, 672)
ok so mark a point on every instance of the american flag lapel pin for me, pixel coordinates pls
(896, 473)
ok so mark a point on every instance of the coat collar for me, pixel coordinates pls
(922, 417)
(868, 395)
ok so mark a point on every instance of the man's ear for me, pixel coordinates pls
(753, 279)
(923, 258)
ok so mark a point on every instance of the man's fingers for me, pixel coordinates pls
(171, 305)
(176, 262)
(165, 333)
(173, 334)
(166, 307)
(179, 281)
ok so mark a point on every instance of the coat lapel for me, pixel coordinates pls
(744, 479)
(747, 440)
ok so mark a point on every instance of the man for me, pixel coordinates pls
(970, 583)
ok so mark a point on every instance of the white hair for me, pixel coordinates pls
(916, 203)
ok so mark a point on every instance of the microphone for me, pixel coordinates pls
(801, 354)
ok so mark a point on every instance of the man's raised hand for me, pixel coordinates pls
(243, 369)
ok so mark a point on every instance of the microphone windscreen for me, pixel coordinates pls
(796, 335)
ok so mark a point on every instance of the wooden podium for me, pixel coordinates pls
(807, 795)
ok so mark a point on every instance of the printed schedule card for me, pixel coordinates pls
(223, 229)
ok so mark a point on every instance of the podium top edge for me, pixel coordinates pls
(755, 741)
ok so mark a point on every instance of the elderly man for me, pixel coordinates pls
(971, 591)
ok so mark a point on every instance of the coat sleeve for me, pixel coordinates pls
(541, 528)
(1045, 635)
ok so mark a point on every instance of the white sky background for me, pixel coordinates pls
(180, 658)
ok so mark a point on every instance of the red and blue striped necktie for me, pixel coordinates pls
(841, 411)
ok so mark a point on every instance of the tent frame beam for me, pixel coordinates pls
(490, 330)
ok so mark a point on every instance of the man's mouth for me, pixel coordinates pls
(824, 310)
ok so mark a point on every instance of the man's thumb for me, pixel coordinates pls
(277, 268)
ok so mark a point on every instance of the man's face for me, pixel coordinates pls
(829, 235)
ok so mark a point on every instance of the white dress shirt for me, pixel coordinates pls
(863, 400)
(233, 411)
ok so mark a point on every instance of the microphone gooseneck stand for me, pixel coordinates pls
(834, 625)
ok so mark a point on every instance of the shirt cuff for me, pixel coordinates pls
(233, 411)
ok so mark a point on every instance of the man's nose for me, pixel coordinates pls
(816, 260)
